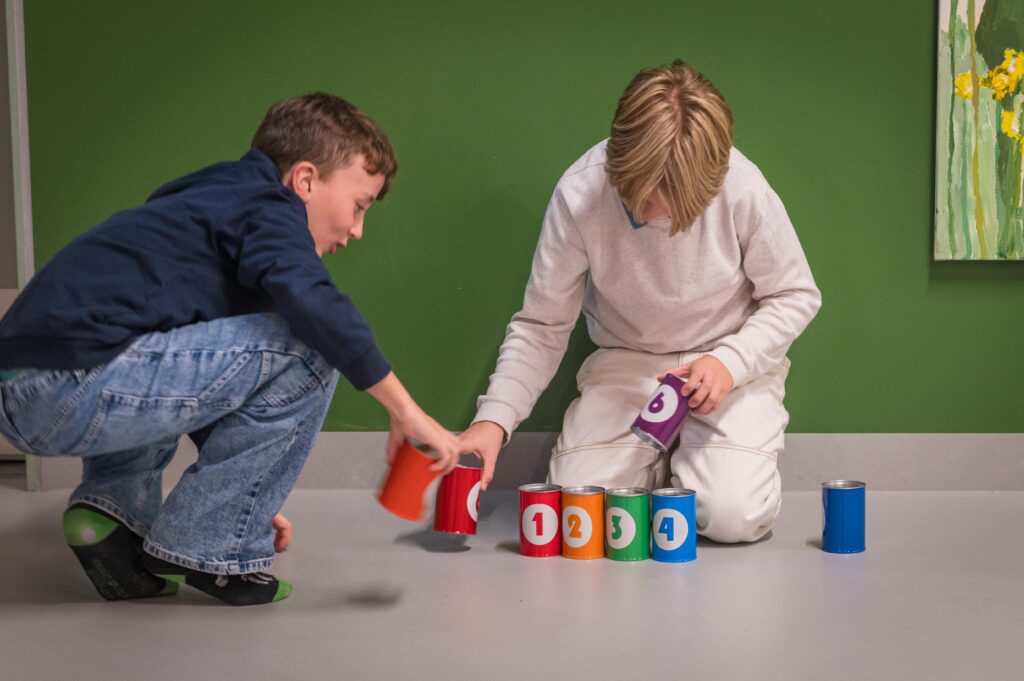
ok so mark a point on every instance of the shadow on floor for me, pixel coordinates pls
(373, 596)
(509, 547)
(434, 542)
(12, 475)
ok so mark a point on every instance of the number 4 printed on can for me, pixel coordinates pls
(671, 529)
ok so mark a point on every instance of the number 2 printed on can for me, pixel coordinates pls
(577, 527)
(670, 529)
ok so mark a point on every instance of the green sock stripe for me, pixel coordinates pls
(85, 528)
(178, 579)
(169, 589)
(284, 590)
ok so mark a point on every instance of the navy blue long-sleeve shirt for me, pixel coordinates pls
(227, 240)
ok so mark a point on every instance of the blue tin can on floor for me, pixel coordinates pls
(673, 525)
(843, 509)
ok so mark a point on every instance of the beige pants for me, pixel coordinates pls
(728, 457)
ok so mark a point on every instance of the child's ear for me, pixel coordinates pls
(300, 178)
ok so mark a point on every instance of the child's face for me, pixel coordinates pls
(337, 203)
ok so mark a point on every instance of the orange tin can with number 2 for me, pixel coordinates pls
(583, 522)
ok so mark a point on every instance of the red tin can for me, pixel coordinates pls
(540, 512)
(458, 500)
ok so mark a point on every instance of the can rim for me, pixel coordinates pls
(540, 487)
(648, 438)
(583, 490)
(843, 484)
(673, 492)
(627, 492)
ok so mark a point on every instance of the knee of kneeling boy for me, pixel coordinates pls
(733, 519)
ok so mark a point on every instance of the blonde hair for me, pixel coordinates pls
(672, 132)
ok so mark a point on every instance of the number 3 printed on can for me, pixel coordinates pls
(620, 527)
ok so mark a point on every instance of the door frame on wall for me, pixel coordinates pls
(17, 99)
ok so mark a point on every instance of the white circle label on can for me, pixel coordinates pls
(620, 527)
(577, 527)
(473, 501)
(662, 406)
(539, 523)
(670, 529)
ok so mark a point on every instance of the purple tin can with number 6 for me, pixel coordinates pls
(661, 420)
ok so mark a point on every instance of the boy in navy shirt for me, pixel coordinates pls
(206, 311)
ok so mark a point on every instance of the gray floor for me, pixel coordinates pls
(939, 594)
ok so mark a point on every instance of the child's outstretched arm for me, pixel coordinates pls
(409, 421)
(536, 338)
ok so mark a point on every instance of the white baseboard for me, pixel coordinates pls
(931, 461)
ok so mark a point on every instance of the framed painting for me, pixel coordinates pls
(979, 174)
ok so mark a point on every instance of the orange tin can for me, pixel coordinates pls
(583, 522)
(405, 487)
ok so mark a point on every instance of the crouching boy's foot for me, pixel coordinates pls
(253, 588)
(111, 555)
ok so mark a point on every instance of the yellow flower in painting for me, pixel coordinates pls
(999, 82)
(1011, 124)
(1003, 79)
(1013, 62)
(964, 85)
(1013, 65)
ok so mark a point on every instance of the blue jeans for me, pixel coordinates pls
(250, 394)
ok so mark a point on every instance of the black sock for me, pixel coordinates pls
(253, 588)
(111, 555)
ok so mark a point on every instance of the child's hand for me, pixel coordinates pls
(409, 421)
(416, 424)
(708, 382)
(484, 439)
(282, 533)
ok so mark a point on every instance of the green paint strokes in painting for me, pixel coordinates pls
(964, 195)
(979, 213)
(952, 133)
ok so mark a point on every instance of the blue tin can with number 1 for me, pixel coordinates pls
(843, 510)
(673, 525)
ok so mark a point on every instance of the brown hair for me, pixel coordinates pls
(327, 131)
(672, 132)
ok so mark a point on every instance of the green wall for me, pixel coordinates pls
(487, 105)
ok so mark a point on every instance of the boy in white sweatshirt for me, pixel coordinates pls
(684, 261)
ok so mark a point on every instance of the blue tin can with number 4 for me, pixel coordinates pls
(673, 525)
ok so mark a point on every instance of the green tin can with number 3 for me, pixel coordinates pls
(627, 523)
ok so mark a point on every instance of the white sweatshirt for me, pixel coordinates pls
(736, 284)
